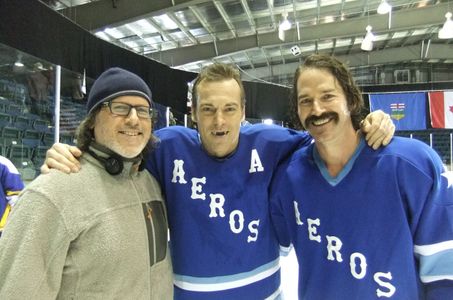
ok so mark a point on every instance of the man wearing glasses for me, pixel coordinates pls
(101, 232)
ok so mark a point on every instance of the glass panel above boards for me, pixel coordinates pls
(27, 108)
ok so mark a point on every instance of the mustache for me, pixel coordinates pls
(327, 115)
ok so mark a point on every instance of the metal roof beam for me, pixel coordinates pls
(402, 20)
(382, 57)
(99, 14)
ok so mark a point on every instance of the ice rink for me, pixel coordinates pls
(289, 268)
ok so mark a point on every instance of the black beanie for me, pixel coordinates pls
(116, 82)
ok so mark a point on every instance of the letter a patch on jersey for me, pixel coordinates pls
(255, 163)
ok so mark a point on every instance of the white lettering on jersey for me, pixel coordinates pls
(255, 163)
(197, 188)
(312, 230)
(296, 211)
(378, 279)
(178, 171)
(217, 201)
(253, 228)
(334, 244)
(240, 215)
(357, 261)
(363, 265)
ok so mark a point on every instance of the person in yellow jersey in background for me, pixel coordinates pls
(11, 184)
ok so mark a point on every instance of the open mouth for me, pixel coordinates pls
(219, 133)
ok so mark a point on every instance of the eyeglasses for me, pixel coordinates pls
(124, 109)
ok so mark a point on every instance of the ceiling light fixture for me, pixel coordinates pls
(367, 43)
(384, 8)
(285, 24)
(446, 32)
(19, 62)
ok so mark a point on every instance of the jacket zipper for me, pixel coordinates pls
(149, 229)
(153, 231)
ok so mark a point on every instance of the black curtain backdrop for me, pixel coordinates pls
(32, 27)
(266, 101)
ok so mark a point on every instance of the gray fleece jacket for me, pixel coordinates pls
(87, 235)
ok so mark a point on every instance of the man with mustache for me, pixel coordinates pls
(216, 184)
(365, 224)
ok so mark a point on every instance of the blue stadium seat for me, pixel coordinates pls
(32, 134)
(11, 134)
(41, 125)
(20, 155)
(31, 142)
(48, 139)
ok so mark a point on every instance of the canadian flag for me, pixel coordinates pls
(441, 109)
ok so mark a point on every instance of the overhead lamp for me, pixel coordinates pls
(19, 64)
(384, 8)
(367, 43)
(285, 24)
(446, 32)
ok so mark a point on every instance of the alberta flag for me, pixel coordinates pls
(407, 110)
(441, 109)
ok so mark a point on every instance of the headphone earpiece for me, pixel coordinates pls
(112, 164)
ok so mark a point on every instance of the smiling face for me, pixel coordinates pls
(125, 135)
(218, 113)
(322, 106)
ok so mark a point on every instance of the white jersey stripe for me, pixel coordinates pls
(433, 248)
(212, 284)
(426, 279)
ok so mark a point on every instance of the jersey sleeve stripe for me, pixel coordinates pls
(219, 283)
(437, 266)
(426, 250)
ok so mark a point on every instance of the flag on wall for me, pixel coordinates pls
(441, 109)
(407, 110)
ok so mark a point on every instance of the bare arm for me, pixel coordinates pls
(378, 128)
(62, 157)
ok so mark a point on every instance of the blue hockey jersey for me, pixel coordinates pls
(11, 184)
(383, 228)
(222, 242)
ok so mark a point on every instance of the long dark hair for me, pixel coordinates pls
(344, 78)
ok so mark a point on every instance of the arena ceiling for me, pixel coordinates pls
(188, 34)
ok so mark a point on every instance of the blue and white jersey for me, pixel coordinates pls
(383, 228)
(11, 184)
(222, 242)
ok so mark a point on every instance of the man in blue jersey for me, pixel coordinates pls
(365, 224)
(216, 184)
